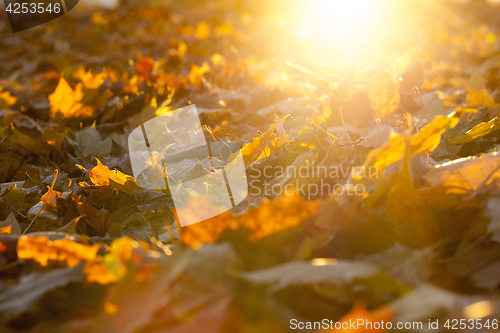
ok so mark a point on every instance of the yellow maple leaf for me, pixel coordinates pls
(383, 94)
(268, 218)
(479, 97)
(260, 147)
(100, 175)
(42, 249)
(89, 80)
(68, 101)
(424, 141)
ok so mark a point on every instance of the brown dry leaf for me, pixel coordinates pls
(100, 175)
(31, 287)
(42, 249)
(67, 101)
(15, 228)
(477, 97)
(143, 65)
(383, 94)
(268, 218)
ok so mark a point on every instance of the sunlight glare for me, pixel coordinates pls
(479, 310)
(343, 22)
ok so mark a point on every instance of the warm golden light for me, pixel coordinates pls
(352, 22)
(478, 310)
(324, 262)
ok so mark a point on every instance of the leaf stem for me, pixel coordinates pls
(422, 101)
(56, 172)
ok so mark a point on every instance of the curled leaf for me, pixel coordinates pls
(477, 132)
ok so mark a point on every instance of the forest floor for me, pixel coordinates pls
(373, 177)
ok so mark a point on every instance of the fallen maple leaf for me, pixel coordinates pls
(100, 175)
(42, 249)
(268, 218)
(12, 223)
(479, 97)
(383, 94)
(68, 101)
(89, 80)
(424, 141)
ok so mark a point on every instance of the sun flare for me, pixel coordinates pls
(353, 23)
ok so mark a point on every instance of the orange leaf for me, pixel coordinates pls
(143, 65)
(479, 97)
(42, 249)
(6, 99)
(268, 218)
(102, 176)
(6, 230)
(196, 73)
(67, 101)
(89, 80)
(113, 266)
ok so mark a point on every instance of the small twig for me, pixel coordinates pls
(56, 172)
(348, 144)
(1, 200)
(9, 265)
(422, 101)
(321, 129)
